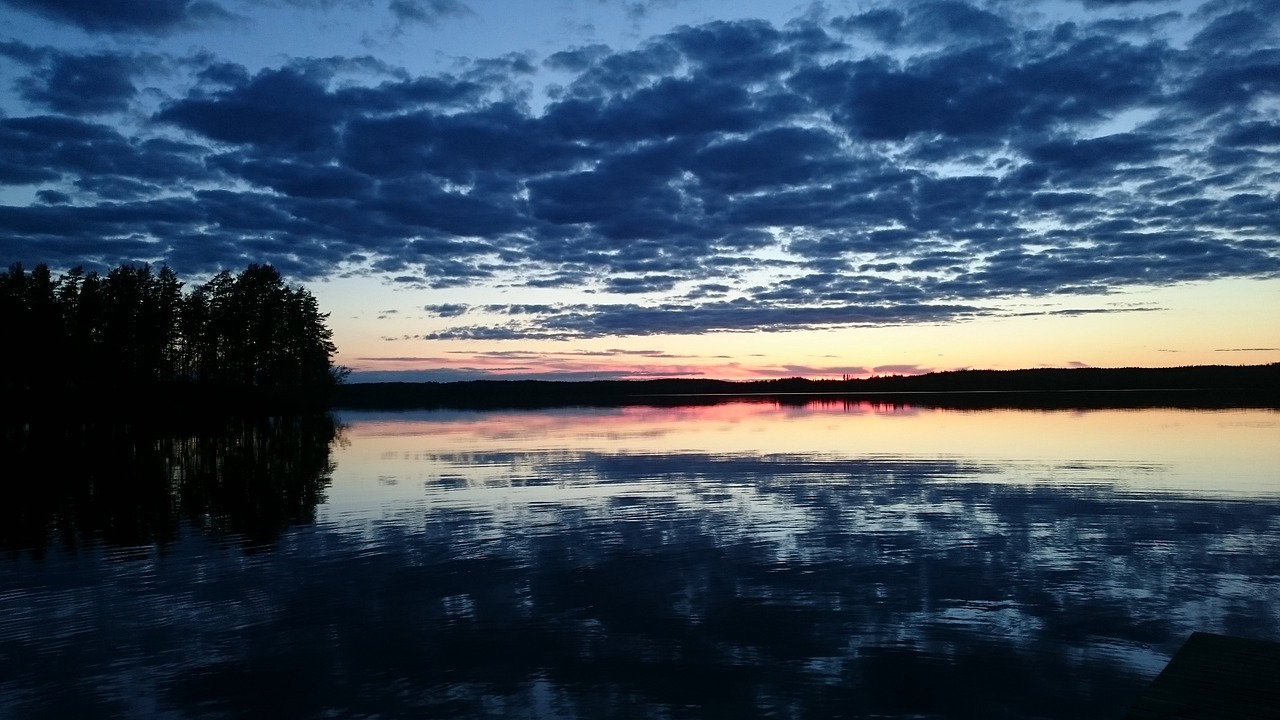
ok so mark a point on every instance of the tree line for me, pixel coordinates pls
(1204, 386)
(246, 339)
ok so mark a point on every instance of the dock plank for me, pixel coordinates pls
(1215, 677)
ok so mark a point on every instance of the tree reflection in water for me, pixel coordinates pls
(135, 483)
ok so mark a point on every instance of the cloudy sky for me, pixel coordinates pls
(720, 188)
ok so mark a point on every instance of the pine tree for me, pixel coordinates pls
(248, 338)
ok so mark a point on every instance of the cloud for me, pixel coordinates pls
(147, 17)
(612, 363)
(428, 12)
(166, 17)
(900, 370)
(82, 84)
(446, 310)
(908, 164)
(645, 284)
(594, 321)
(944, 23)
(75, 84)
(52, 147)
(283, 110)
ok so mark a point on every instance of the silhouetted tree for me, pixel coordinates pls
(246, 339)
(33, 325)
(13, 308)
(81, 301)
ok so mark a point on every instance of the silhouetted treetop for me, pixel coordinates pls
(243, 339)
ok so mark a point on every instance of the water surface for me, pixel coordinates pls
(834, 559)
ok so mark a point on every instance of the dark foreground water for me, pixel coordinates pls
(738, 560)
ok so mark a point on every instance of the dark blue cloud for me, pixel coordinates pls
(403, 12)
(1231, 32)
(1231, 82)
(776, 157)
(423, 207)
(24, 53)
(1256, 133)
(46, 148)
(53, 197)
(282, 110)
(602, 72)
(427, 11)
(83, 84)
(946, 21)
(670, 107)
(590, 321)
(626, 185)
(79, 84)
(1094, 153)
(987, 91)
(646, 284)
(884, 24)
(446, 310)
(940, 22)
(150, 17)
(1122, 3)
(733, 51)
(297, 179)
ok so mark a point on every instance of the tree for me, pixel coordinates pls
(249, 339)
(13, 308)
(80, 301)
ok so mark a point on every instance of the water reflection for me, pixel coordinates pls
(133, 484)
(728, 561)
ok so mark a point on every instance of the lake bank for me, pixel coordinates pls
(1201, 386)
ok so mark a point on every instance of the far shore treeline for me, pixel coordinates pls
(134, 340)
(1040, 388)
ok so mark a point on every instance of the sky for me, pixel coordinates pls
(586, 189)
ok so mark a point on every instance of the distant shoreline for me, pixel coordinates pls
(928, 393)
(1192, 386)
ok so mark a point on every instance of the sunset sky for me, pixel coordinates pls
(715, 188)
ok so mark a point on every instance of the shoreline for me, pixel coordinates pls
(1196, 386)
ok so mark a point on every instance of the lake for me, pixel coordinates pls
(821, 559)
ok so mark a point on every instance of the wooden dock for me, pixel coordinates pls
(1215, 677)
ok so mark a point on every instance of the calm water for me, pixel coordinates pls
(736, 560)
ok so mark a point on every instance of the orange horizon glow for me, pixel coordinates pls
(1225, 322)
(552, 366)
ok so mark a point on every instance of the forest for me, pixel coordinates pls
(134, 338)
(1203, 386)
